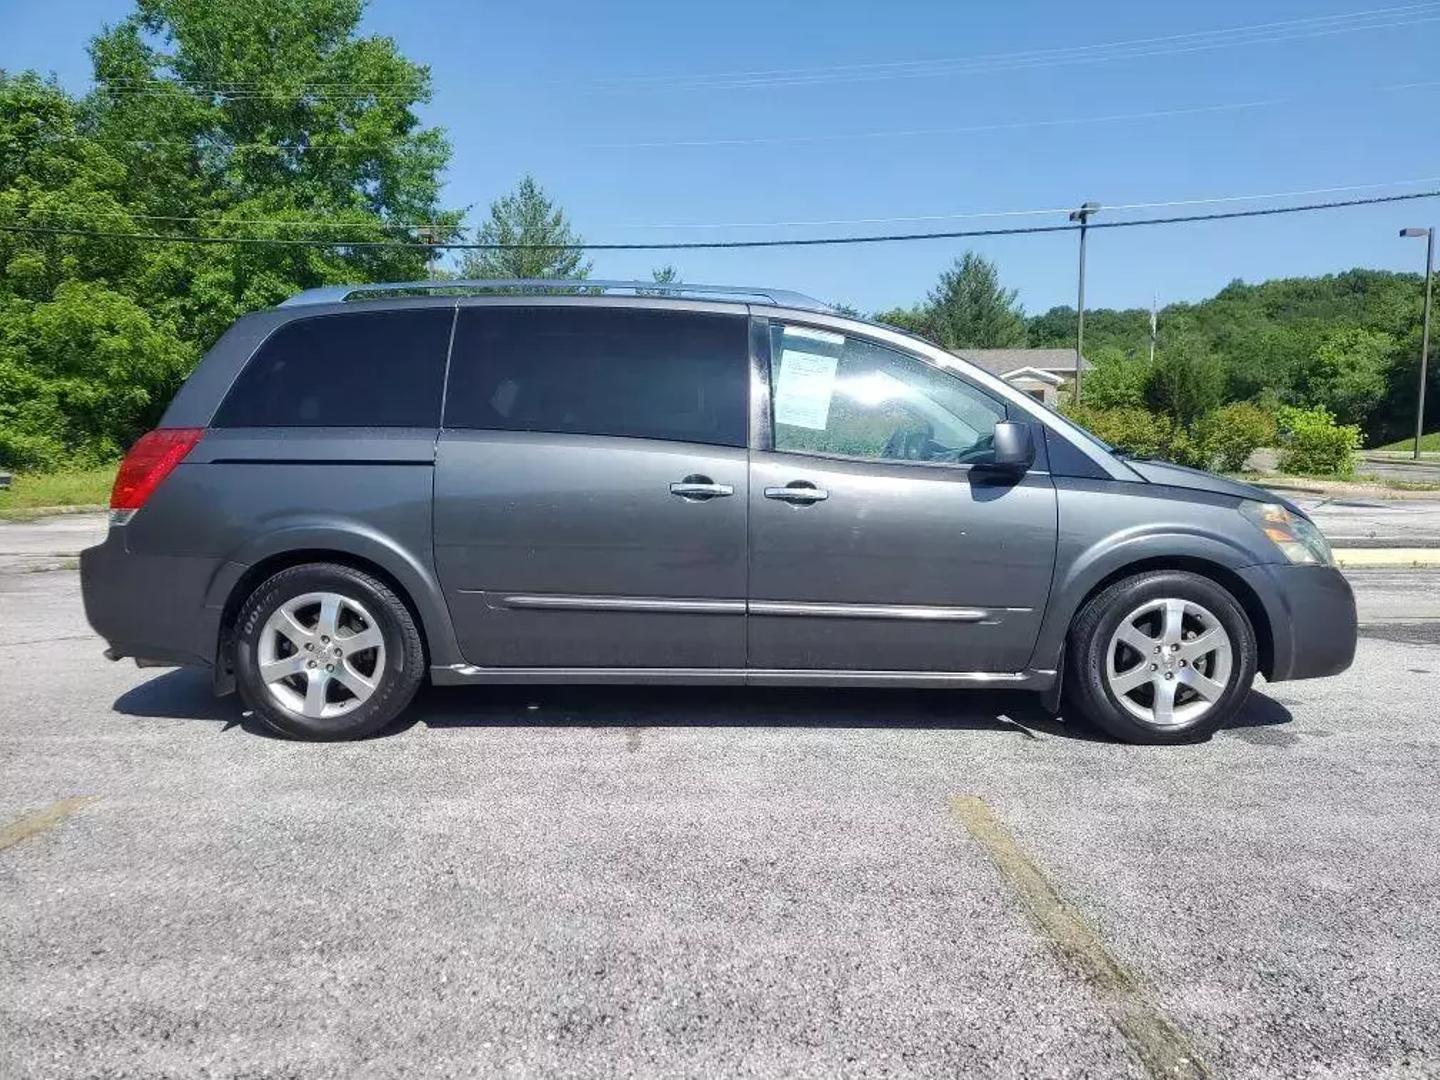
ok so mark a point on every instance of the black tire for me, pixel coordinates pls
(1087, 691)
(404, 655)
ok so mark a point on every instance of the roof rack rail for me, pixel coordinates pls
(334, 294)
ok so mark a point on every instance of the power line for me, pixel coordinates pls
(1209, 200)
(1018, 125)
(772, 140)
(698, 245)
(1298, 23)
(1045, 59)
(461, 227)
(1195, 41)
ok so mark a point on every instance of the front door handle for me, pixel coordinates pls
(700, 488)
(798, 492)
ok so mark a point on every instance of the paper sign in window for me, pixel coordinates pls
(807, 383)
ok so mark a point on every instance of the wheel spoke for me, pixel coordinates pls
(318, 682)
(1207, 642)
(359, 685)
(1126, 681)
(1164, 701)
(1206, 687)
(286, 666)
(329, 615)
(364, 639)
(1133, 636)
(285, 623)
(1174, 622)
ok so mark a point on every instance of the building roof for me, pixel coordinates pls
(1003, 361)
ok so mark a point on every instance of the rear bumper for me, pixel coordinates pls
(1311, 611)
(149, 607)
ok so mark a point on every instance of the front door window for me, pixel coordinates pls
(844, 396)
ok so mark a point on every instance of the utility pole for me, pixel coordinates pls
(1083, 217)
(1429, 235)
(1154, 324)
(432, 238)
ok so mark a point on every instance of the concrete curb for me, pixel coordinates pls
(1374, 558)
(31, 513)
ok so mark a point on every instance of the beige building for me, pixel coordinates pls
(1041, 373)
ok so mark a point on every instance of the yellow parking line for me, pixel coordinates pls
(1163, 1049)
(38, 822)
(1387, 557)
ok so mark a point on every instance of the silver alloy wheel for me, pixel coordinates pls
(1169, 662)
(321, 654)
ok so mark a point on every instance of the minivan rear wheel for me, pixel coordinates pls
(1165, 656)
(324, 651)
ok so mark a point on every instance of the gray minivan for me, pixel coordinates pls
(599, 482)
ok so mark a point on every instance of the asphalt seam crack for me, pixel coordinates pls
(41, 820)
(1157, 1041)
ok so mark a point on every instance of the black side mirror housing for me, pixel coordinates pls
(1014, 446)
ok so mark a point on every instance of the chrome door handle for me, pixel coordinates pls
(700, 488)
(800, 495)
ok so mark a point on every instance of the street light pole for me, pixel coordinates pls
(1429, 235)
(1083, 217)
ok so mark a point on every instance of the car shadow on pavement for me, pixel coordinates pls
(186, 694)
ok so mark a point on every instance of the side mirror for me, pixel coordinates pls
(1014, 446)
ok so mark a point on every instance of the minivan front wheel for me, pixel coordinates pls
(1160, 657)
(325, 651)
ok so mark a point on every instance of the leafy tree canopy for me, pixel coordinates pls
(268, 119)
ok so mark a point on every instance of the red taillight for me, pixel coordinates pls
(148, 463)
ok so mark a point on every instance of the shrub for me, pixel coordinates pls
(1136, 431)
(1312, 442)
(1186, 381)
(1232, 433)
(1115, 380)
(1187, 448)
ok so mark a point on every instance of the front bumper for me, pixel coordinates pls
(149, 607)
(1311, 611)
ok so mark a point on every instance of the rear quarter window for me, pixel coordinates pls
(356, 369)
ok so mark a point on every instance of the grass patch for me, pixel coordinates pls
(30, 492)
(1428, 442)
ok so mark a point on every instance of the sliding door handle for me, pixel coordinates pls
(800, 495)
(700, 488)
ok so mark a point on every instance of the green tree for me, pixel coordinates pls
(528, 217)
(969, 308)
(257, 119)
(272, 119)
(665, 275)
(1346, 374)
(1187, 381)
(83, 367)
(915, 320)
(1115, 380)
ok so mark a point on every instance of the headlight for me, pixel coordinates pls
(1294, 535)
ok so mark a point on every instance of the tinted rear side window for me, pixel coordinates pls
(594, 371)
(361, 369)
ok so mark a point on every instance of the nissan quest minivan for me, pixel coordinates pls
(597, 482)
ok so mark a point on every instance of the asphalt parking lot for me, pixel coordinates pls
(584, 882)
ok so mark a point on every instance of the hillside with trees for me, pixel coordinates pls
(1349, 342)
(1333, 360)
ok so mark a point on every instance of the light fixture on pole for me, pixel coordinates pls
(1081, 215)
(1429, 235)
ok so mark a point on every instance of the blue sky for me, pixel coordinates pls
(566, 89)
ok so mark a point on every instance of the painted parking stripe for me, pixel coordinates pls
(1163, 1049)
(41, 820)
